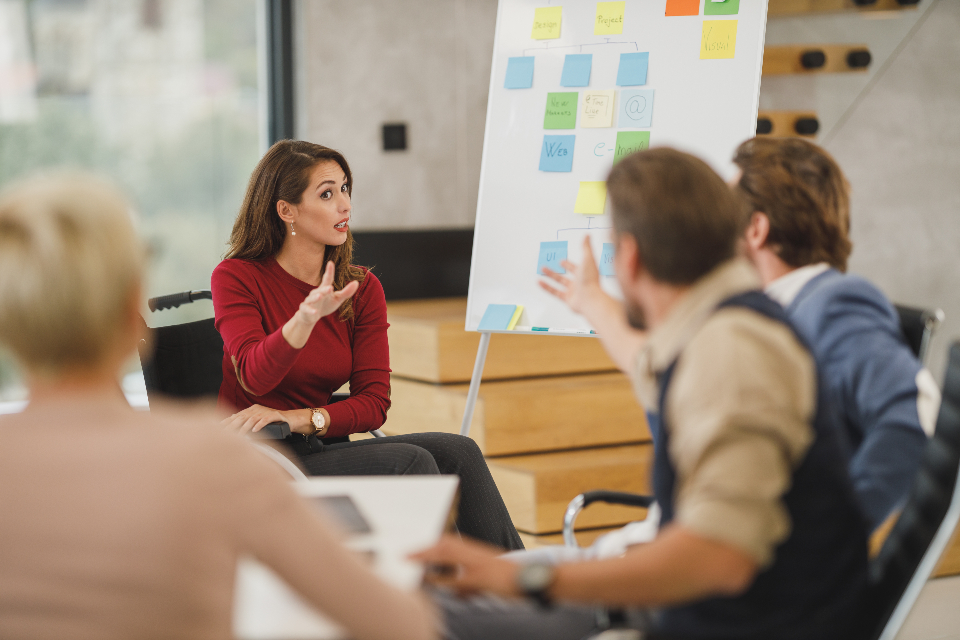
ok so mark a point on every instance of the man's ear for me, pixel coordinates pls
(627, 258)
(758, 231)
(285, 211)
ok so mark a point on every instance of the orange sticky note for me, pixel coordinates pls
(683, 7)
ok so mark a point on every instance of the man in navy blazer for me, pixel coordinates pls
(798, 239)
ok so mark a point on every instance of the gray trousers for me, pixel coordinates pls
(490, 618)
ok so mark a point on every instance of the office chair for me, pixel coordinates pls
(918, 327)
(187, 361)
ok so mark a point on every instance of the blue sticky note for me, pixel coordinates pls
(636, 108)
(497, 317)
(520, 73)
(632, 71)
(606, 260)
(576, 70)
(557, 153)
(551, 254)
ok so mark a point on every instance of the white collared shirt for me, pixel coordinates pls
(786, 288)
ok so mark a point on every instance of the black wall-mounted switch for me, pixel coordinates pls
(394, 137)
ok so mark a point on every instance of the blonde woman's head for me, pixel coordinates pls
(70, 273)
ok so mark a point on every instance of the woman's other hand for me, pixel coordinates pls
(320, 302)
(252, 419)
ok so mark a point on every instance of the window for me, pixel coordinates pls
(159, 95)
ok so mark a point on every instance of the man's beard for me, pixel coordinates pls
(635, 315)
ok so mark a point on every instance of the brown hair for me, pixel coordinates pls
(284, 174)
(803, 193)
(684, 218)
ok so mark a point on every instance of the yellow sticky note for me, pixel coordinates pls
(591, 198)
(609, 18)
(515, 318)
(719, 39)
(546, 23)
(597, 109)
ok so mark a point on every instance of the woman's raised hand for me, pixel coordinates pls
(320, 302)
(582, 288)
(323, 300)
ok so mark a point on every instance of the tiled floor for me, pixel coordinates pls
(936, 615)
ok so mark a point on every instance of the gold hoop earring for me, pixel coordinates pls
(292, 232)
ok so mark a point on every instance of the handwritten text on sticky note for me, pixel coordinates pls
(606, 260)
(630, 142)
(719, 39)
(551, 255)
(609, 18)
(597, 110)
(591, 198)
(561, 111)
(557, 153)
(546, 23)
(636, 109)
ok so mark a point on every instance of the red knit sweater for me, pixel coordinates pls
(253, 300)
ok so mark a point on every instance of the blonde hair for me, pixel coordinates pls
(70, 263)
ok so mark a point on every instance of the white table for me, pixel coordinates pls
(406, 514)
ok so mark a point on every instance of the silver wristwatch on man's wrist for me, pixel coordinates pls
(534, 579)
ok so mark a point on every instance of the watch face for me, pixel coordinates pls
(318, 420)
(536, 577)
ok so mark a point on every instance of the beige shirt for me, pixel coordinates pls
(738, 409)
(119, 524)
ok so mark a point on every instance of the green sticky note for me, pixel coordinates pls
(723, 8)
(561, 111)
(630, 141)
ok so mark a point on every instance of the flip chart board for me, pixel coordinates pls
(575, 86)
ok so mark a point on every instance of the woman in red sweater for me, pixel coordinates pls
(299, 320)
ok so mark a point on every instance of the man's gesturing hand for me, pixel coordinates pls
(582, 288)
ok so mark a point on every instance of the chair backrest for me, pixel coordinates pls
(918, 326)
(913, 548)
(186, 360)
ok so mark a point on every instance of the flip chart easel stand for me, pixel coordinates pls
(475, 383)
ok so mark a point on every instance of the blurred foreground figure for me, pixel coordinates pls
(122, 524)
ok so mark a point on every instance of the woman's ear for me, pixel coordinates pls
(286, 211)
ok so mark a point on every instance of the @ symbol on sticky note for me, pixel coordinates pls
(635, 107)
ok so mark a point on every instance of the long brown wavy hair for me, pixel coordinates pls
(284, 174)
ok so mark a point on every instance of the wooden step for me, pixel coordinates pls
(801, 7)
(538, 488)
(428, 342)
(585, 537)
(815, 58)
(522, 416)
(788, 123)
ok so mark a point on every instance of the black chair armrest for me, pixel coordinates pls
(274, 431)
(585, 499)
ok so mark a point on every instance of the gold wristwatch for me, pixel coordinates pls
(319, 423)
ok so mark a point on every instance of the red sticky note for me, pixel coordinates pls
(683, 8)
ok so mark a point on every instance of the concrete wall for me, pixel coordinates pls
(422, 62)
(896, 133)
(893, 129)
